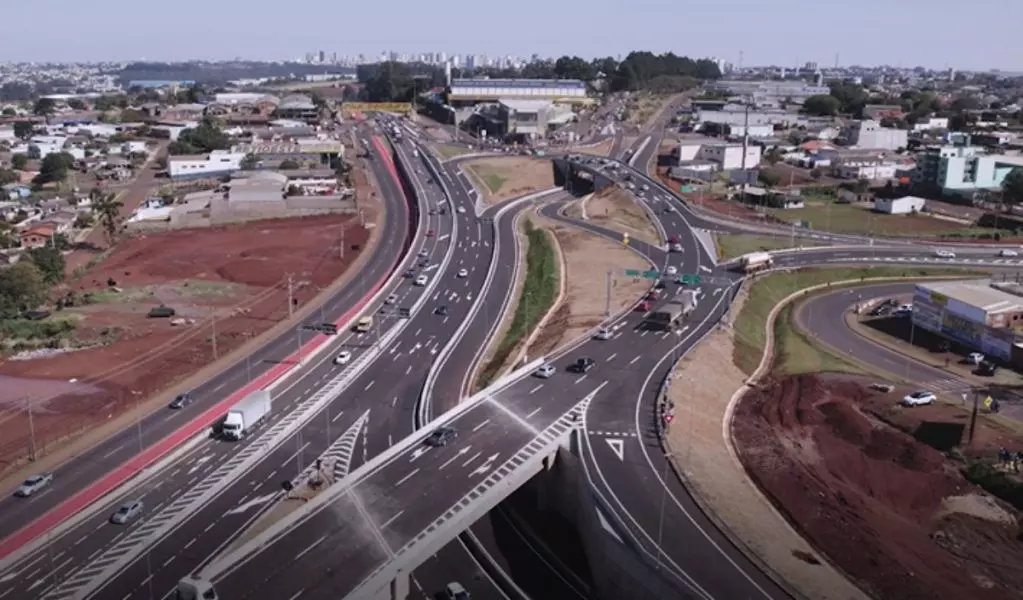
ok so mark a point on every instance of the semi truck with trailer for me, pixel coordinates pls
(755, 261)
(245, 415)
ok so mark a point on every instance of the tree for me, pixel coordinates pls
(8, 176)
(249, 162)
(816, 174)
(44, 106)
(288, 165)
(822, 106)
(54, 167)
(76, 104)
(9, 112)
(1012, 188)
(22, 287)
(204, 138)
(18, 161)
(769, 179)
(24, 129)
(852, 97)
(108, 208)
(130, 115)
(50, 262)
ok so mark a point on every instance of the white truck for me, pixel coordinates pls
(245, 415)
(755, 261)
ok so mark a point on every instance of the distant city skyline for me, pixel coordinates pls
(787, 33)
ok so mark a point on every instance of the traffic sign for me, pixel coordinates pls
(691, 280)
(642, 274)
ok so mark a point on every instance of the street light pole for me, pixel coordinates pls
(31, 430)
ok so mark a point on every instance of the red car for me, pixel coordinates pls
(643, 306)
(429, 233)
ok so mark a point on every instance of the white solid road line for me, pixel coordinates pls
(406, 478)
(633, 361)
(612, 357)
(534, 390)
(580, 379)
(481, 426)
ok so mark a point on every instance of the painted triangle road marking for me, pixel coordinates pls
(618, 447)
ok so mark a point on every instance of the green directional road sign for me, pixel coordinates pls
(691, 279)
(642, 274)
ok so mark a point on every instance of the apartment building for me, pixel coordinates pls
(962, 170)
(870, 134)
(726, 156)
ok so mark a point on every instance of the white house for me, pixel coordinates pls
(870, 134)
(872, 170)
(727, 156)
(899, 206)
(218, 162)
(7, 134)
(931, 124)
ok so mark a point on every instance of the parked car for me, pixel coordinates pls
(919, 398)
(986, 368)
(974, 358)
(128, 512)
(441, 437)
(455, 591)
(181, 401)
(33, 484)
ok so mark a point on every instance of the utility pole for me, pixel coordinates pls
(973, 415)
(291, 302)
(213, 321)
(745, 148)
(31, 429)
(342, 247)
(607, 297)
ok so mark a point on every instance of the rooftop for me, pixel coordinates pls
(518, 83)
(981, 294)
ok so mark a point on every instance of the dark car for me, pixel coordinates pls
(410, 273)
(181, 401)
(441, 310)
(987, 368)
(583, 364)
(441, 437)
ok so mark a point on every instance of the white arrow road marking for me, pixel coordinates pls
(461, 452)
(705, 269)
(251, 504)
(617, 446)
(486, 466)
(419, 452)
(443, 237)
(430, 268)
(718, 291)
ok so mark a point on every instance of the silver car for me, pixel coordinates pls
(33, 484)
(128, 512)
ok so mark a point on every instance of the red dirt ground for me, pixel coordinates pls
(871, 497)
(238, 272)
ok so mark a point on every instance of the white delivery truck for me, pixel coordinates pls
(755, 261)
(245, 415)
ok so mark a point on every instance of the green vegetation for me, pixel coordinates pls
(207, 137)
(995, 482)
(823, 214)
(448, 152)
(796, 355)
(43, 330)
(731, 246)
(493, 181)
(538, 293)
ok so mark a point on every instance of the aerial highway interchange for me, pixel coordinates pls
(407, 377)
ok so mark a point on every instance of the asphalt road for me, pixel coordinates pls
(85, 468)
(203, 532)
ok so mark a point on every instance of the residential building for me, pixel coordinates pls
(931, 124)
(7, 134)
(322, 151)
(870, 134)
(899, 206)
(876, 112)
(865, 170)
(753, 131)
(734, 115)
(962, 170)
(215, 164)
(769, 93)
(726, 156)
(37, 235)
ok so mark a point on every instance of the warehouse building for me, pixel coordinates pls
(474, 91)
(984, 315)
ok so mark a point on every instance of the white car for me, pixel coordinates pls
(33, 484)
(343, 358)
(944, 254)
(919, 399)
(391, 299)
(670, 271)
(975, 358)
(604, 334)
(461, 210)
(1008, 253)
(455, 591)
(421, 280)
(545, 371)
(423, 253)
(463, 273)
(127, 512)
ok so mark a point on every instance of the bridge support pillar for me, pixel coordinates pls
(399, 586)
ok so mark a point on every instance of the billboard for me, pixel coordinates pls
(404, 108)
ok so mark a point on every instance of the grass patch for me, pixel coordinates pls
(493, 181)
(199, 287)
(50, 328)
(823, 214)
(796, 354)
(449, 152)
(539, 290)
(995, 482)
(733, 245)
(767, 292)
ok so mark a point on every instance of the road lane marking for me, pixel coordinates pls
(633, 361)
(612, 357)
(406, 478)
(310, 547)
(580, 379)
(386, 523)
(337, 416)
(533, 413)
(533, 391)
(471, 458)
(369, 385)
(480, 426)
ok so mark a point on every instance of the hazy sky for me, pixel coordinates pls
(978, 34)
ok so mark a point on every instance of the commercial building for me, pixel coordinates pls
(870, 134)
(867, 170)
(962, 170)
(899, 206)
(984, 315)
(299, 108)
(769, 93)
(524, 117)
(472, 91)
(726, 156)
(323, 152)
(214, 164)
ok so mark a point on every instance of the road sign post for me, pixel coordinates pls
(691, 280)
